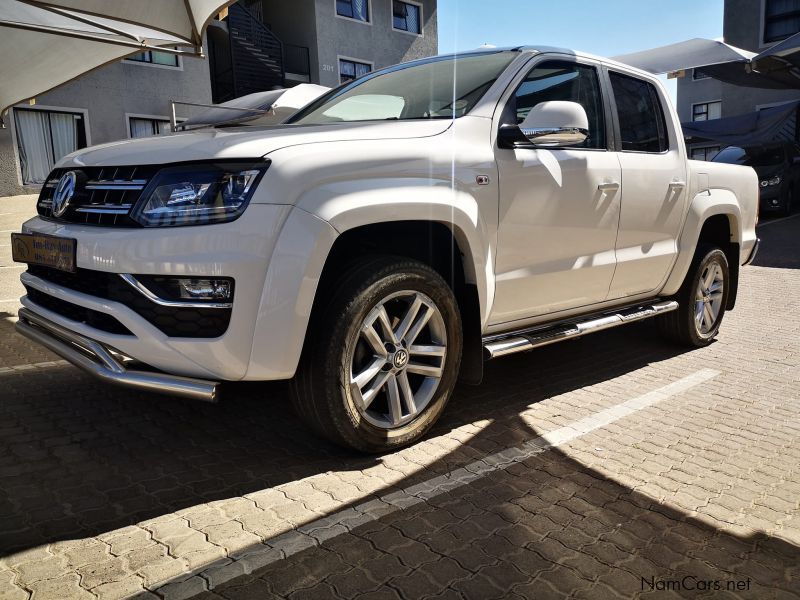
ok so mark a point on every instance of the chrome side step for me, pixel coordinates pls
(522, 341)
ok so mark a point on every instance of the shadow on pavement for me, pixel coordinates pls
(548, 527)
(780, 244)
(78, 459)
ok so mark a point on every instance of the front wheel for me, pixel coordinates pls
(702, 300)
(382, 357)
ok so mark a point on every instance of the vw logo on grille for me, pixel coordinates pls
(65, 190)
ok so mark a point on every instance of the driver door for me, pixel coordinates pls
(559, 208)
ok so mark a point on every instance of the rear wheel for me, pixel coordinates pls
(702, 300)
(383, 356)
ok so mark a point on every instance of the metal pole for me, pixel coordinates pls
(174, 119)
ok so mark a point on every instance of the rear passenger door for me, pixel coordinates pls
(654, 195)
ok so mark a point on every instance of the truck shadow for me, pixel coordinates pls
(78, 459)
(780, 244)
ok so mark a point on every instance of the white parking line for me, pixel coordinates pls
(16, 369)
(9, 300)
(766, 223)
(344, 521)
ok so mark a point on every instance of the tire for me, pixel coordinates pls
(682, 325)
(350, 351)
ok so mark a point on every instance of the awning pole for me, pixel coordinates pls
(174, 119)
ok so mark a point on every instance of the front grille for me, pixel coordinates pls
(73, 312)
(174, 322)
(103, 195)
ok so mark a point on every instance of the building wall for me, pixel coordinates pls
(376, 42)
(315, 25)
(107, 95)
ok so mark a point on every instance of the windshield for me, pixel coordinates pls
(751, 157)
(441, 88)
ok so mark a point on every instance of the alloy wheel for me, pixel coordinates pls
(397, 362)
(708, 298)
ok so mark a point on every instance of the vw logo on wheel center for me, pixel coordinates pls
(65, 190)
(400, 359)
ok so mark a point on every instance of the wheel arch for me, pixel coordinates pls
(443, 246)
(714, 217)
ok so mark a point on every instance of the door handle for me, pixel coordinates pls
(612, 186)
(677, 185)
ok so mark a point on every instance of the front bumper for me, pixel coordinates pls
(240, 250)
(108, 364)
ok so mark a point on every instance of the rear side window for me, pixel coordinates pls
(556, 80)
(641, 117)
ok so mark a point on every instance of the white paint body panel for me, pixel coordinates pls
(539, 240)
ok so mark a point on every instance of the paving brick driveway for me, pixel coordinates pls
(611, 467)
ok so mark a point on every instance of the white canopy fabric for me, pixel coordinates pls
(692, 53)
(261, 108)
(775, 68)
(46, 43)
(42, 49)
(185, 19)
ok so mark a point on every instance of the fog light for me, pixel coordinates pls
(197, 290)
(205, 289)
(774, 202)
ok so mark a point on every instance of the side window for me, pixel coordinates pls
(641, 117)
(557, 80)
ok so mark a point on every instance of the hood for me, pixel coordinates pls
(242, 142)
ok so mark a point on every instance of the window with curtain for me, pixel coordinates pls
(353, 9)
(406, 17)
(707, 111)
(153, 57)
(351, 69)
(45, 137)
(706, 153)
(142, 127)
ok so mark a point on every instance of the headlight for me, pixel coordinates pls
(198, 194)
(771, 181)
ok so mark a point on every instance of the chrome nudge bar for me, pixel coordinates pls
(107, 364)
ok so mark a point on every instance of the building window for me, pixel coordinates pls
(407, 17)
(353, 9)
(781, 19)
(351, 69)
(706, 153)
(43, 138)
(698, 74)
(707, 111)
(153, 57)
(143, 127)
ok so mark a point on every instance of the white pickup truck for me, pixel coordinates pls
(388, 239)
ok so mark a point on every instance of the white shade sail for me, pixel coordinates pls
(692, 53)
(775, 68)
(183, 18)
(44, 44)
(261, 108)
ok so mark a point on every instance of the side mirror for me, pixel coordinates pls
(554, 124)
